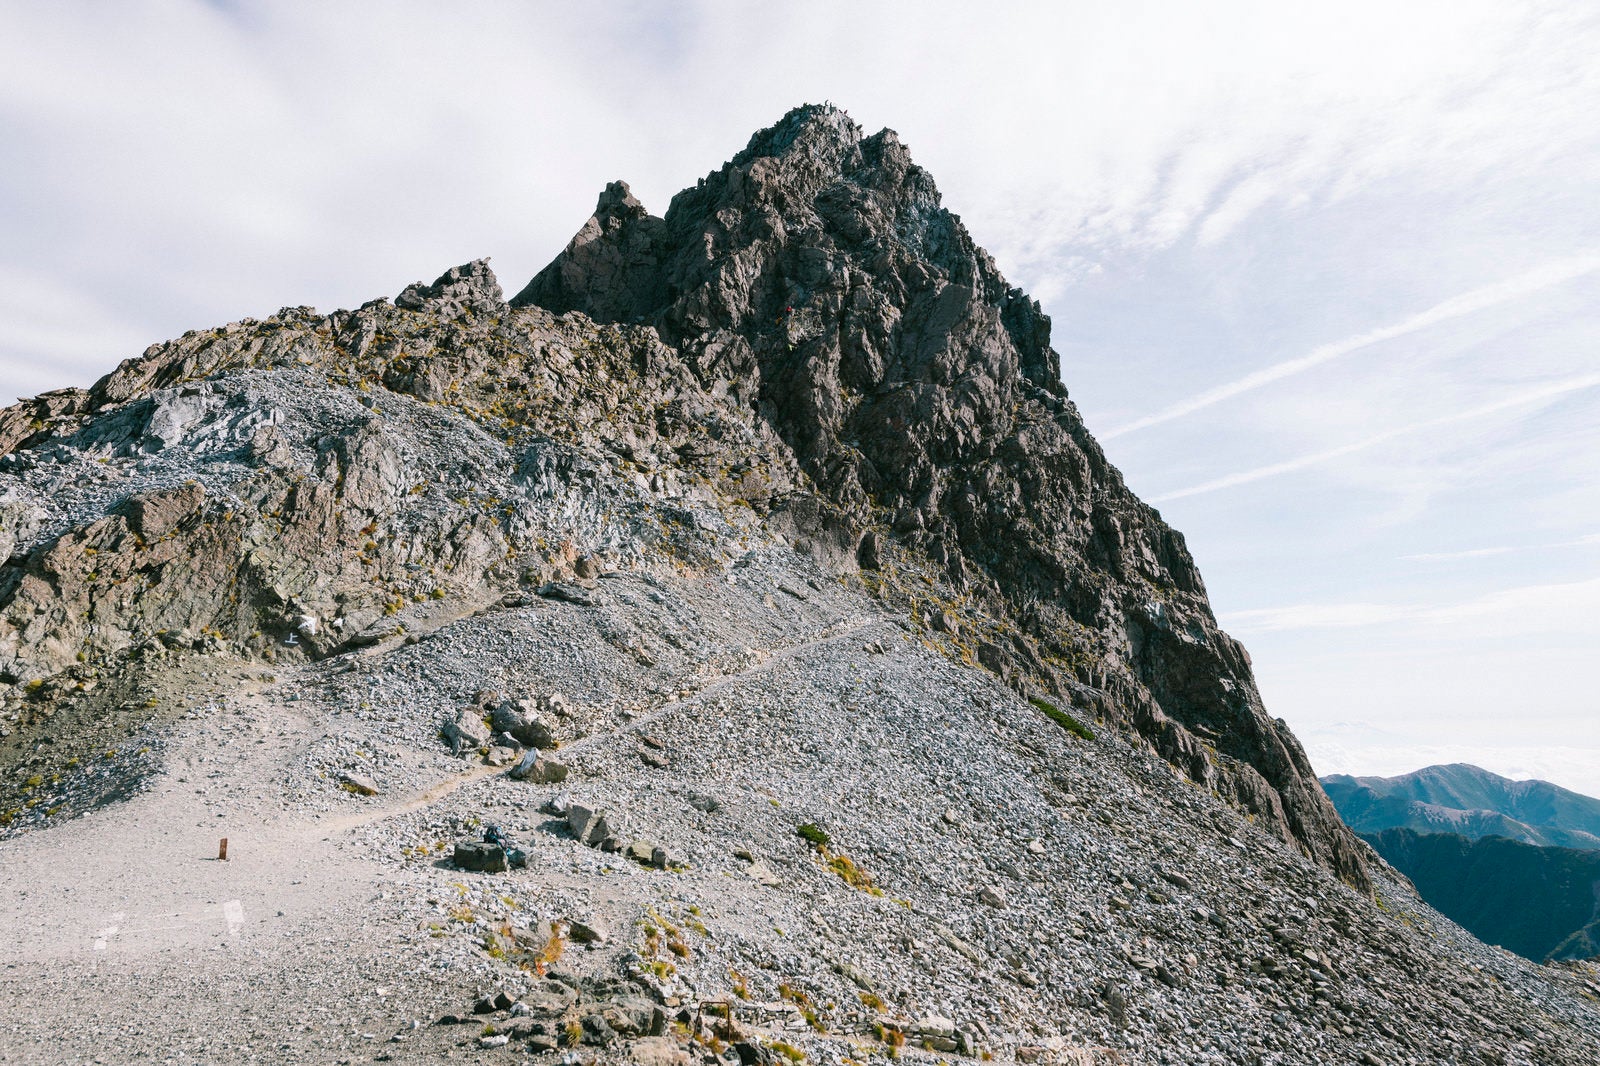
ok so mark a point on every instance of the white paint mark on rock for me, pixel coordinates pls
(104, 935)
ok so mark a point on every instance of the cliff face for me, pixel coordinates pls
(816, 280)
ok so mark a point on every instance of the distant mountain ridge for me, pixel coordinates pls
(1468, 801)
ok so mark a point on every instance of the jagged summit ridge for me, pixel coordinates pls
(807, 202)
(468, 289)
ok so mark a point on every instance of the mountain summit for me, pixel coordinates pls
(817, 279)
(731, 650)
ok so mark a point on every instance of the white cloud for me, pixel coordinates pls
(1361, 750)
(1539, 395)
(1573, 606)
(1589, 540)
(242, 157)
(1479, 299)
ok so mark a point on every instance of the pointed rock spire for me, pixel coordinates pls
(817, 278)
(610, 269)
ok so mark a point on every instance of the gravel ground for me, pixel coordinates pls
(991, 883)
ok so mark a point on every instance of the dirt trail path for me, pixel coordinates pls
(142, 877)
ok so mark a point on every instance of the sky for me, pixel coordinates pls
(1324, 277)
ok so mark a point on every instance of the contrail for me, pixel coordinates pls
(1548, 392)
(1467, 303)
(1503, 549)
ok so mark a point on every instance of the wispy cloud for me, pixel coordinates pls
(1244, 477)
(1503, 549)
(1479, 299)
(1360, 749)
(1545, 604)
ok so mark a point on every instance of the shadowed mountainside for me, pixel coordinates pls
(1541, 902)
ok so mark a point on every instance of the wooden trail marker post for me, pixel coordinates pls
(222, 850)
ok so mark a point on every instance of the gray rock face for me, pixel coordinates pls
(520, 718)
(464, 290)
(817, 279)
(360, 784)
(588, 825)
(466, 732)
(535, 768)
(486, 858)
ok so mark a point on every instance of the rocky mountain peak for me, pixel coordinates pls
(814, 128)
(735, 650)
(817, 279)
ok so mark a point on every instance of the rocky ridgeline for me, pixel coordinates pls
(807, 338)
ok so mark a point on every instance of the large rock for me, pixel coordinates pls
(588, 824)
(547, 998)
(466, 731)
(521, 719)
(481, 856)
(538, 769)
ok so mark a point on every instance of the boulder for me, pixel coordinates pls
(538, 769)
(593, 931)
(360, 784)
(634, 1016)
(466, 731)
(548, 998)
(481, 856)
(492, 1002)
(936, 1031)
(520, 719)
(588, 824)
(566, 593)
